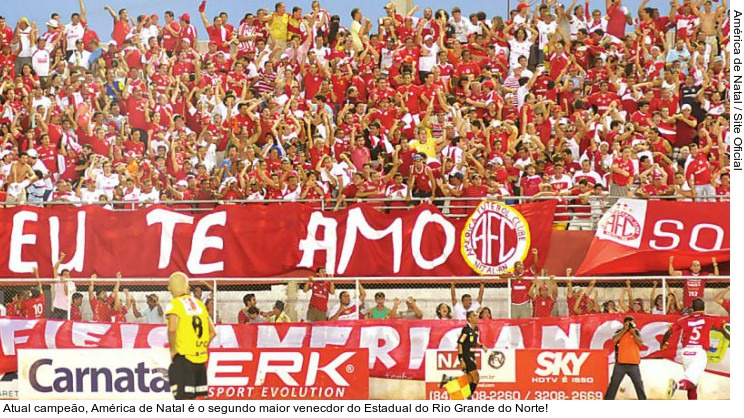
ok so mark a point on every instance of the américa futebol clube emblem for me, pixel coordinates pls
(495, 237)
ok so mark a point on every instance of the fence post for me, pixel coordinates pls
(509, 301)
(214, 301)
(664, 294)
(291, 296)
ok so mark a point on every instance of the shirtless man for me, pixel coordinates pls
(21, 176)
(708, 18)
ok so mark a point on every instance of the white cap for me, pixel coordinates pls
(5, 153)
(182, 183)
(52, 23)
(32, 153)
(686, 106)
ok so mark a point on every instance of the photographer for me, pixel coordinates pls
(628, 345)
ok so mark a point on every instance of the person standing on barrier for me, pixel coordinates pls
(694, 288)
(190, 331)
(467, 342)
(628, 344)
(317, 309)
(520, 288)
(63, 288)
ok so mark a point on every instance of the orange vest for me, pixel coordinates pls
(627, 351)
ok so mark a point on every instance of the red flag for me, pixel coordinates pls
(638, 236)
(202, 6)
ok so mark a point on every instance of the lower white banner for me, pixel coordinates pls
(108, 374)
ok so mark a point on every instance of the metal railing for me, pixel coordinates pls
(226, 294)
(451, 207)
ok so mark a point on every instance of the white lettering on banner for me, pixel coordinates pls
(285, 364)
(225, 338)
(50, 333)
(77, 262)
(419, 340)
(128, 334)
(310, 245)
(510, 338)
(559, 363)
(662, 232)
(653, 328)
(355, 222)
(323, 336)
(370, 337)
(18, 239)
(422, 221)
(397, 347)
(696, 233)
(554, 337)
(658, 232)
(330, 369)
(233, 368)
(269, 337)
(220, 374)
(449, 340)
(168, 220)
(604, 333)
(200, 242)
(158, 337)
(13, 332)
(88, 334)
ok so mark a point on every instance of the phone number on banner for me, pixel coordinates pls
(486, 392)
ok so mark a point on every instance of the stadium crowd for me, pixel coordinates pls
(551, 101)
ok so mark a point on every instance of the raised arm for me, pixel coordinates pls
(672, 271)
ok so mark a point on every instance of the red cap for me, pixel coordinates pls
(185, 16)
(521, 6)
(488, 83)
(153, 16)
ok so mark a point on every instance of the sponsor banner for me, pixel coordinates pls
(396, 347)
(638, 236)
(524, 374)
(9, 385)
(360, 241)
(299, 373)
(104, 374)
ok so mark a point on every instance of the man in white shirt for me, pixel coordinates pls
(149, 194)
(428, 58)
(460, 309)
(153, 314)
(345, 310)
(80, 58)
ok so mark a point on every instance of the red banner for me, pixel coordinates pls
(638, 236)
(281, 373)
(396, 347)
(259, 241)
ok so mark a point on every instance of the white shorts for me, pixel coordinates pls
(694, 360)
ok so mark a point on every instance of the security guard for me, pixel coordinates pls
(190, 331)
(628, 344)
(467, 342)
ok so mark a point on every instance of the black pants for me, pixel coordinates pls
(618, 373)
